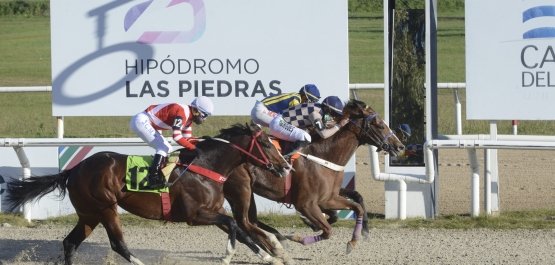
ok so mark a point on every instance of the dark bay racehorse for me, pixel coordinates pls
(314, 188)
(96, 188)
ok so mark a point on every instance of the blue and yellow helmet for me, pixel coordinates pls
(311, 92)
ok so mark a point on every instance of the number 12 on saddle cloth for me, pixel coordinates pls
(138, 166)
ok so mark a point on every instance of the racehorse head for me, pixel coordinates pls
(370, 128)
(257, 147)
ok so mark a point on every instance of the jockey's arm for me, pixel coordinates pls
(181, 135)
(320, 127)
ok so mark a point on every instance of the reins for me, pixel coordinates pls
(265, 161)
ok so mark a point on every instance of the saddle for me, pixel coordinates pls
(282, 145)
(169, 164)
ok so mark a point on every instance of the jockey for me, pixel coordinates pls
(403, 132)
(324, 117)
(176, 117)
(266, 110)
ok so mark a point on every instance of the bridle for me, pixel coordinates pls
(264, 161)
(366, 129)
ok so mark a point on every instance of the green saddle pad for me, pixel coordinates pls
(137, 171)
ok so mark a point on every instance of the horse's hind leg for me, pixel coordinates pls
(79, 233)
(112, 225)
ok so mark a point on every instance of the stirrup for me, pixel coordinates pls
(287, 157)
(157, 184)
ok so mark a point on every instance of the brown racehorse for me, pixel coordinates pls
(96, 188)
(314, 188)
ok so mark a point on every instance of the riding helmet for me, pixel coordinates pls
(334, 103)
(404, 128)
(311, 92)
(203, 104)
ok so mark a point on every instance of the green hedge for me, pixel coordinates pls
(25, 8)
(42, 7)
(376, 6)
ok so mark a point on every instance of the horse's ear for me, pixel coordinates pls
(253, 127)
(256, 125)
(363, 108)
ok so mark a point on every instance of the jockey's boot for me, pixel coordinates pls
(153, 176)
(294, 148)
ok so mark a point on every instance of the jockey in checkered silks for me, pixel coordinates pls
(264, 111)
(290, 125)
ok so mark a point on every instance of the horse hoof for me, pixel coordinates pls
(350, 247)
(290, 262)
(365, 235)
(284, 243)
(293, 237)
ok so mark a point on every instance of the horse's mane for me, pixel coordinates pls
(234, 130)
(353, 106)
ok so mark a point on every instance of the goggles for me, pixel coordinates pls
(312, 100)
(202, 114)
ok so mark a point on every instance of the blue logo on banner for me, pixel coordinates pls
(536, 12)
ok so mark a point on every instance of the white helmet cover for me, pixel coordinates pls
(204, 104)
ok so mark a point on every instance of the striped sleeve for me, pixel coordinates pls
(183, 134)
(182, 138)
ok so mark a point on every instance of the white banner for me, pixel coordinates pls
(510, 60)
(115, 58)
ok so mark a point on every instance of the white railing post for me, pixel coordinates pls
(26, 168)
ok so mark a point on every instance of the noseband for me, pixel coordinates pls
(264, 161)
(366, 129)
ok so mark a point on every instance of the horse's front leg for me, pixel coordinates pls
(313, 213)
(244, 238)
(356, 197)
(340, 203)
(333, 216)
(269, 235)
(207, 217)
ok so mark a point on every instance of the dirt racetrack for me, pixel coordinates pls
(525, 181)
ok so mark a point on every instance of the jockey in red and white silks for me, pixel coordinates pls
(169, 116)
(162, 117)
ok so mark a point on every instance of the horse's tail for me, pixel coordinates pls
(34, 188)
